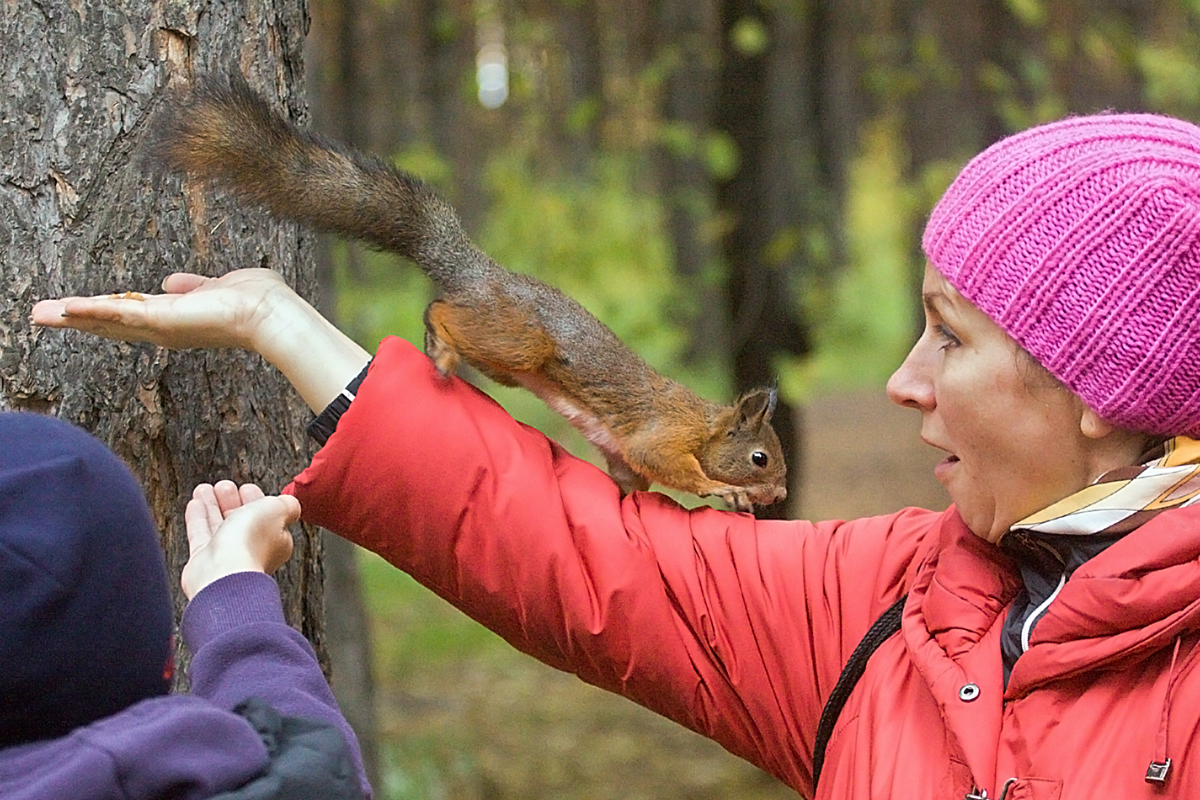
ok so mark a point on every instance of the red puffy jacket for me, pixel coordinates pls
(739, 628)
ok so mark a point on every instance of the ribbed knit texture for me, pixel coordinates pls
(1081, 239)
(85, 608)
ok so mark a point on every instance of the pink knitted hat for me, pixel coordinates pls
(1081, 239)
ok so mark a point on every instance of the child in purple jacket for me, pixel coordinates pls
(85, 640)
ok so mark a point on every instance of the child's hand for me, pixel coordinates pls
(233, 528)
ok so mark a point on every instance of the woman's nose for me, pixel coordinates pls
(910, 384)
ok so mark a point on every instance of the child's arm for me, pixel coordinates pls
(241, 644)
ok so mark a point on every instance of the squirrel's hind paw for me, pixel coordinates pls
(444, 357)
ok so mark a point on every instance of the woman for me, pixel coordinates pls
(1048, 639)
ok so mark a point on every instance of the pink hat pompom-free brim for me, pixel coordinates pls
(1081, 239)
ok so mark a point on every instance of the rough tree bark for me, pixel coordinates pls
(77, 216)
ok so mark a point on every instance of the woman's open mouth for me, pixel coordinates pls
(944, 467)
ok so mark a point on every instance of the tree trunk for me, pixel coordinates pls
(340, 35)
(688, 35)
(77, 217)
(763, 323)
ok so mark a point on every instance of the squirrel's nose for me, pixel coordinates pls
(766, 495)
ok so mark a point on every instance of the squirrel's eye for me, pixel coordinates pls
(759, 458)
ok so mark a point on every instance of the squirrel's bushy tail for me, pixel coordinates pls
(222, 131)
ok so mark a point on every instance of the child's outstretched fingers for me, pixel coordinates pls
(235, 529)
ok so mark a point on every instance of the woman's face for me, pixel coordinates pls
(1012, 434)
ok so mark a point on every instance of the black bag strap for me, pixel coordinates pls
(887, 624)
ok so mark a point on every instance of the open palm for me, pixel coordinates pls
(193, 311)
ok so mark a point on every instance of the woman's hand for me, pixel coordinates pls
(194, 311)
(248, 309)
(232, 529)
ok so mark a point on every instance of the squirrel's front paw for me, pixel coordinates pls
(745, 498)
(741, 501)
(738, 497)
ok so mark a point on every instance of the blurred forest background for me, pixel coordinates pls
(737, 188)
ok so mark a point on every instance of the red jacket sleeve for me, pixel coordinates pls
(734, 627)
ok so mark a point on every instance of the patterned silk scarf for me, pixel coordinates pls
(1052, 543)
(1121, 500)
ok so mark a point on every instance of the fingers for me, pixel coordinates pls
(202, 517)
(183, 282)
(290, 508)
(198, 523)
(234, 528)
(107, 316)
(270, 517)
(62, 312)
(227, 496)
(230, 496)
(250, 492)
(49, 313)
(276, 511)
(54, 313)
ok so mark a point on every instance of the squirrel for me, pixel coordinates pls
(511, 327)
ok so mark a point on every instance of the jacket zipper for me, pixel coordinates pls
(981, 794)
(1037, 612)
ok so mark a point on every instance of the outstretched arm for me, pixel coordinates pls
(249, 309)
(234, 625)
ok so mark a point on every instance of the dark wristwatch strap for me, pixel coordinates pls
(325, 423)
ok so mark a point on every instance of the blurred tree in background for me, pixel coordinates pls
(738, 188)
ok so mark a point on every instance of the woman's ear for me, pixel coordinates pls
(1093, 425)
(1112, 444)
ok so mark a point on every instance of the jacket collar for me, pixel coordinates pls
(1134, 599)
(1152, 576)
(1050, 545)
(964, 585)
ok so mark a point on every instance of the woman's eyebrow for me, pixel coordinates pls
(932, 301)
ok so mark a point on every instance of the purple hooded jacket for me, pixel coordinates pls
(85, 627)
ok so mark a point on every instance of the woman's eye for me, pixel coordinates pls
(947, 337)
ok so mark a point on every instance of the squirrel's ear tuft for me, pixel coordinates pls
(757, 407)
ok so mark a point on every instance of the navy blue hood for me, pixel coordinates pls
(85, 609)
